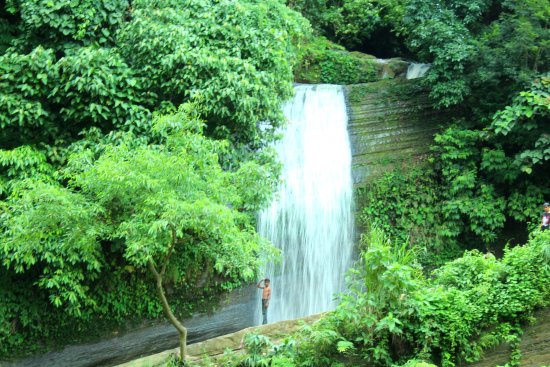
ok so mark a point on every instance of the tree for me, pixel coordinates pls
(165, 203)
(51, 101)
(68, 69)
(62, 24)
(78, 79)
(234, 57)
(520, 126)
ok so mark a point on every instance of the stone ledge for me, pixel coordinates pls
(534, 346)
(216, 346)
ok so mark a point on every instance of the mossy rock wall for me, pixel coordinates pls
(534, 346)
(390, 122)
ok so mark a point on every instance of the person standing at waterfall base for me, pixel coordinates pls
(266, 296)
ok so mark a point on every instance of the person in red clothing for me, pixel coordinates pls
(266, 296)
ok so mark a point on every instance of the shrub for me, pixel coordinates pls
(392, 313)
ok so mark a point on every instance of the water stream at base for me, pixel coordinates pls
(311, 220)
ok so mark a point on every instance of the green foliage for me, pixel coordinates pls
(393, 314)
(417, 363)
(488, 58)
(120, 211)
(235, 58)
(62, 243)
(462, 197)
(120, 298)
(470, 199)
(524, 122)
(479, 52)
(441, 36)
(58, 83)
(22, 162)
(513, 49)
(96, 88)
(25, 81)
(257, 346)
(80, 85)
(151, 190)
(52, 101)
(260, 351)
(61, 21)
(346, 22)
(497, 173)
(365, 316)
(405, 203)
(324, 62)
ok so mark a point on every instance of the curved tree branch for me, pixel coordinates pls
(182, 330)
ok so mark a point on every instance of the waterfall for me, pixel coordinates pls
(311, 220)
(417, 70)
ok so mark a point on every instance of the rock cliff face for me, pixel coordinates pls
(233, 315)
(535, 346)
(390, 121)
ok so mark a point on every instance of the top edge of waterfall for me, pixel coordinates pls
(317, 85)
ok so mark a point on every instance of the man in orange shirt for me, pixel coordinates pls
(266, 296)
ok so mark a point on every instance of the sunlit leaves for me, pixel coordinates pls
(526, 121)
(79, 85)
(25, 162)
(233, 57)
(129, 204)
(343, 346)
(86, 88)
(60, 20)
(96, 88)
(58, 231)
(26, 79)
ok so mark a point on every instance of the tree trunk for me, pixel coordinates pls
(168, 311)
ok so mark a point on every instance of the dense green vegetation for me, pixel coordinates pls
(80, 87)
(393, 315)
(167, 207)
(133, 153)
(322, 61)
(490, 72)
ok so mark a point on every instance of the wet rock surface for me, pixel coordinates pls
(237, 314)
(535, 346)
(215, 348)
(390, 122)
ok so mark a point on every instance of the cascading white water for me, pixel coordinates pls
(417, 70)
(311, 220)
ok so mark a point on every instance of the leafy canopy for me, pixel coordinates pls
(234, 57)
(81, 81)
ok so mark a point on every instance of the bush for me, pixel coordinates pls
(392, 313)
(407, 204)
(324, 62)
